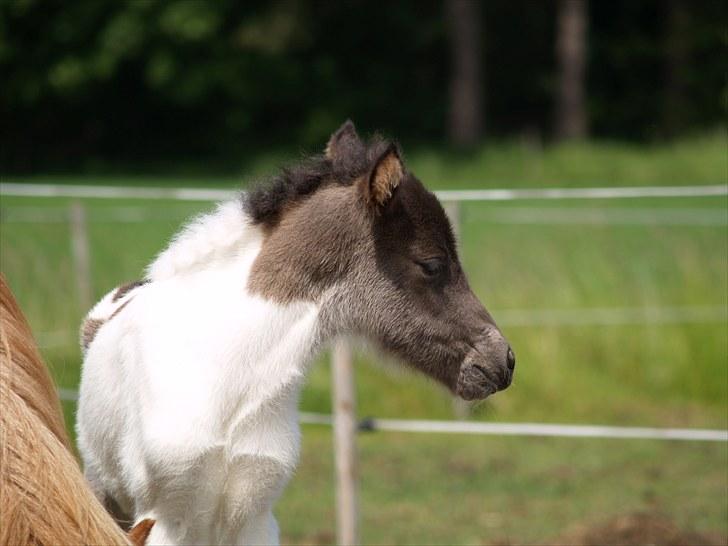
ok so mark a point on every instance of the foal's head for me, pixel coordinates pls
(355, 231)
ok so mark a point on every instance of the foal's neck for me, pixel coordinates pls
(209, 241)
(269, 343)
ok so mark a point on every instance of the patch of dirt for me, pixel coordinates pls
(637, 529)
(319, 538)
(634, 529)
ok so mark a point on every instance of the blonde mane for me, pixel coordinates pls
(44, 498)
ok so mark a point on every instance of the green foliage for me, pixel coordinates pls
(699, 159)
(97, 83)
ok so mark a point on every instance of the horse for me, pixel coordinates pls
(44, 498)
(188, 400)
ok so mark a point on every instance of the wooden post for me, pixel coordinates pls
(452, 209)
(81, 255)
(460, 407)
(345, 429)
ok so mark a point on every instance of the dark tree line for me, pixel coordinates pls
(140, 81)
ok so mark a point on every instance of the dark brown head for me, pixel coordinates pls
(357, 233)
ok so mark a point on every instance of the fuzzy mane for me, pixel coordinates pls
(266, 199)
(208, 237)
(218, 234)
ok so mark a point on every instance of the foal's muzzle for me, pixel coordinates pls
(487, 369)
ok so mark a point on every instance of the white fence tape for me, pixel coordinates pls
(540, 429)
(114, 192)
(508, 429)
(202, 194)
(583, 193)
(530, 215)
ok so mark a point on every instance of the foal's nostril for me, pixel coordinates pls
(511, 359)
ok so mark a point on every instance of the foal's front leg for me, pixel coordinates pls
(260, 528)
(183, 495)
(253, 484)
(219, 501)
(163, 534)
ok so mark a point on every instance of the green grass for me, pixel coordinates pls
(698, 160)
(444, 489)
(440, 489)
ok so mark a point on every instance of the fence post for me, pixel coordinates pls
(81, 254)
(460, 408)
(452, 209)
(345, 429)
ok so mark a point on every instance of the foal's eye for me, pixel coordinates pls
(433, 267)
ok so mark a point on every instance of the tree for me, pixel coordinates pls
(571, 28)
(676, 66)
(465, 123)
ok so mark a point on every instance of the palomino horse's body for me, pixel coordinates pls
(188, 402)
(44, 499)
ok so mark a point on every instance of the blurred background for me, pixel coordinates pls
(616, 308)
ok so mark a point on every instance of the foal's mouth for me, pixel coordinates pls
(487, 367)
(478, 381)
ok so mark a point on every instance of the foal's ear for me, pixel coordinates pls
(344, 141)
(384, 178)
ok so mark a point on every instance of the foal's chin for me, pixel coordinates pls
(474, 391)
(479, 381)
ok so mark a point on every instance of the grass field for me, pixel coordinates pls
(525, 260)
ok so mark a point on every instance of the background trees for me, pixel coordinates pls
(466, 89)
(97, 83)
(571, 25)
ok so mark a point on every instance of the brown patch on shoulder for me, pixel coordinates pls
(124, 289)
(118, 309)
(90, 328)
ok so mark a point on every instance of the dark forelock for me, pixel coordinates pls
(265, 200)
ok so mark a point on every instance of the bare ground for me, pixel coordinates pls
(634, 529)
(637, 529)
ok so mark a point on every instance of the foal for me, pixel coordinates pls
(44, 499)
(188, 401)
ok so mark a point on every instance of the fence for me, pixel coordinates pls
(344, 419)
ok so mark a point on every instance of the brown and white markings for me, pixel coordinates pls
(360, 233)
(110, 306)
(187, 409)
